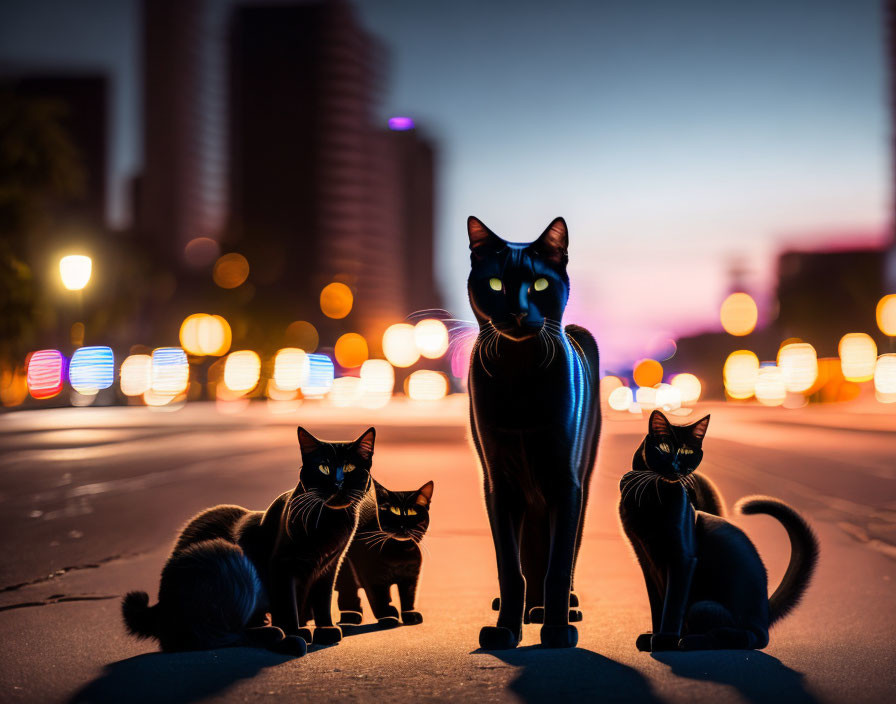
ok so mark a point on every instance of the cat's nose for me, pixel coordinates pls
(519, 317)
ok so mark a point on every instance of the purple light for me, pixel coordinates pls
(401, 124)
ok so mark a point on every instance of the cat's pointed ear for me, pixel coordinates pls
(382, 493)
(554, 242)
(307, 442)
(482, 240)
(364, 444)
(424, 494)
(659, 425)
(698, 429)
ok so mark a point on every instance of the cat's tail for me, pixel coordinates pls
(803, 552)
(139, 616)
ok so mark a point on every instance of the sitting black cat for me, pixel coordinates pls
(707, 585)
(386, 551)
(230, 566)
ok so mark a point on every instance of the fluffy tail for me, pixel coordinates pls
(803, 553)
(139, 616)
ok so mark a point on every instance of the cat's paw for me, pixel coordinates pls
(350, 618)
(664, 641)
(304, 633)
(697, 641)
(389, 622)
(290, 645)
(559, 636)
(327, 635)
(642, 643)
(498, 638)
(411, 618)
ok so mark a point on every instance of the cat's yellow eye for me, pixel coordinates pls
(686, 451)
(324, 469)
(412, 512)
(664, 447)
(540, 284)
(495, 284)
(348, 468)
(395, 510)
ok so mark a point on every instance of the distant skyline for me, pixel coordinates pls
(675, 138)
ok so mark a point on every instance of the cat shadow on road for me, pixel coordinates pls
(176, 678)
(759, 678)
(576, 674)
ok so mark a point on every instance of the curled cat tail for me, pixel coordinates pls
(139, 616)
(803, 553)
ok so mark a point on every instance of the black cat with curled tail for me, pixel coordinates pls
(535, 420)
(231, 566)
(706, 584)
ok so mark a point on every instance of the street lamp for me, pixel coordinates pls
(75, 271)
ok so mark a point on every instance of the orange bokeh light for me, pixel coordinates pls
(739, 314)
(231, 270)
(336, 300)
(648, 372)
(351, 350)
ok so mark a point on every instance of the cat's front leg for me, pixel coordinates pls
(321, 598)
(407, 592)
(284, 609)
(564, 516)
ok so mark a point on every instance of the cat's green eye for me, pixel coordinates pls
(540, 284)
(324, 469)
(686, 451)
(395, 510)
(348, 468)
(412, 512)
(495, 284)
(664, 447)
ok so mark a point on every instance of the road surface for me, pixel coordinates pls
(92, 498)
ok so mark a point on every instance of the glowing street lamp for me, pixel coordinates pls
(75, 271)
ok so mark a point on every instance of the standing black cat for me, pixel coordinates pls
(535, 419)
(230, 565)
(706, 583)
(386, 551)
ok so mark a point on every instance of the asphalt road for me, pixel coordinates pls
(90, 500)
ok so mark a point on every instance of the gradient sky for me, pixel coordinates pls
(675, 137)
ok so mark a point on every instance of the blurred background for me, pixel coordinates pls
(230, 200)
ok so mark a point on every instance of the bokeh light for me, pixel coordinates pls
(620, 398)
(45, 373)
(770, 387)
(91, 369)
(201, 251)
(431, 337)
(346, 391)
(136, 375)
(351, 350)
(400, 345)
(608, 385)
(170, 372)
(886, 315)
(739, 314)
(303, 335)
(377, 383)
(231, 270)
(75, 271)
(885, 378)
(858, 355)
(645, 397)
(798, 363)
(688, 386)
(13, 385)
(291, 369)
(667, 397)
(648, 372)
(401, 123)
(427, 385)
(336, 300)
(203, 334)
(320, 376)
(739, 374)
(242, 371)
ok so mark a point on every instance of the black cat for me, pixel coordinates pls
(386, 551)
(706, 584)
(230, 566)
(535, 420)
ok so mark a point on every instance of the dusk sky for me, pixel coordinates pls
(675, 138)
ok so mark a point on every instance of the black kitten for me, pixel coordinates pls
(230, 566)
(386, 551)
(706, 584)
(535, 422)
